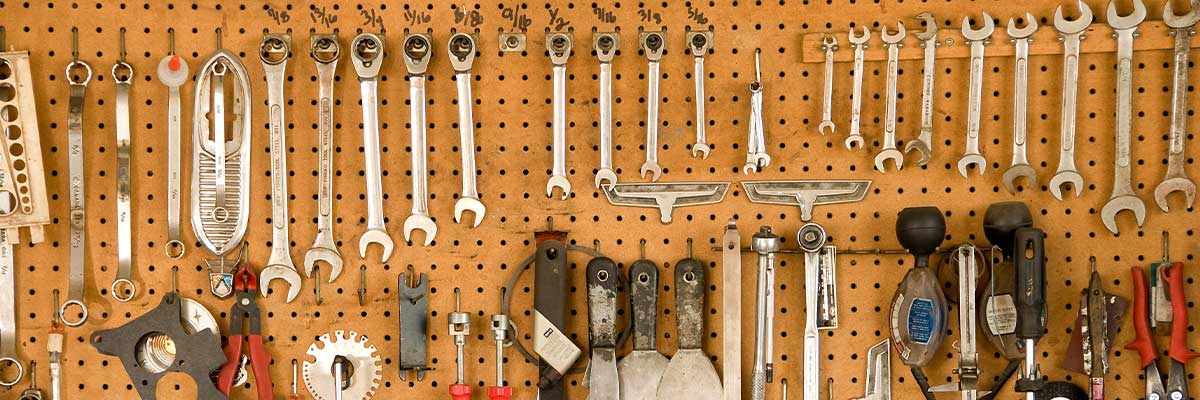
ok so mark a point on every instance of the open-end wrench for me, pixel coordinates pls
(859, 44)
(462, 56)
(756, 143)
(558, 45)
(1177, 180)
(274, 52)
(1123, 197)
(829, 44)
(173, 73)
(123, 288)
(700, 42)
(606, 45)
(367, 56)
(929, 42)
(1020, 163)
(653, 45)
(1070, 33)
(325, 51)
(893, 42)
(977, 39)
(416, 52)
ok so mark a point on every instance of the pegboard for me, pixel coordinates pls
(512, 113)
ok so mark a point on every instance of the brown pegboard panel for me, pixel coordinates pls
(512, 113)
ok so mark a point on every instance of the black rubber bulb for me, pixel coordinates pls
(921, 230)
(1001, 221)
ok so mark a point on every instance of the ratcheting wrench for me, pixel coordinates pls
(653, 45)
(756, 144)
(462, 56)
(417, 49)
(829, 44)
(929, 42)
(606, 45)
(122, 74)
(325, 51)
(1176, 179)
(558, 45)
(700, 42)
(977, 39)
(1020, 163)
(367, 56)
(274, 52)
(1071, 33)
(1123, 197)
(75, 292)
(859, 44)
(173, 73)
(893, 42)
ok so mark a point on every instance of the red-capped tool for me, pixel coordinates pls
(245, 314)
(460, 327)
(1176, 387)
(500, 335)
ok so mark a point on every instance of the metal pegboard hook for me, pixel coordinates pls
(1166, 240)
(57, 313)
(122, 41)
(642, 248)
(689, 247)
(74, 43)
(2, 31)
(175, 279)
(219, 38)
(170, 41)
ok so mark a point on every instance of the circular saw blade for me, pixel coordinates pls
(367, 366)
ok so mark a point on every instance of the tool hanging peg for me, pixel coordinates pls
(245, 324)
(459, 329)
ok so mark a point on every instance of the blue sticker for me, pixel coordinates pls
(920, 320)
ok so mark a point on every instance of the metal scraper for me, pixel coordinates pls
(690, 375)
(640, 371)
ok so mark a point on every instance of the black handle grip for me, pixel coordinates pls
(1029, 284)
(922, 381)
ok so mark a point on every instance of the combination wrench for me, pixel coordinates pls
(558, 45)
(1070, 33)
(606, 45)
(123, 289)
(462, 56)
(929, 42)
(1123, 197)
(78, 83)
(859, 44)
(829, 44)
(756, 144)
(977, 39)
(1176, 179)
(1020, 163)
(417, 49)
(653, 45)
(173, 73)
(325, 52)
(274, 52)
(893, 43)
(700, 42)
(367, 56)
(8, 314)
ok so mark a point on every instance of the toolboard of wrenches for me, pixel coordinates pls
(513, 96)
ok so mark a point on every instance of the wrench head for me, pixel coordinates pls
(375, 236)
(1173, 185)
(469, 204)
(607, 175)
(320, 254)
(1122, 203)
(651, 166)
(931, 27)
(1066, 178)
(826, 127)
(1180, 21)
(1062, 25)
(975, 35)
(829, 42)
(919, 146)
(273, 272)
(854, 140)
(968, 160)
(750, 168)
(860, 39)
(698, 150)
(1016, 172)
(1128, 21)
(889, 154)
(893, 38)
(422, 222)
(1021, 33)
(561, 182)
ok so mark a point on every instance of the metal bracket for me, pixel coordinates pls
(666, 196)
(414, 321)
(806, 193)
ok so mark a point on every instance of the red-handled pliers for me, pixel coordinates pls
(245, 314)
(1144, 343)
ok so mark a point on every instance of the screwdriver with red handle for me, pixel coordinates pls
(500, 335)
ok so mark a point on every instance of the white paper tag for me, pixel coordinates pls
(552, 345)
(1001, 314)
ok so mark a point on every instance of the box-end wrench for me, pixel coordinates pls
(829, 44)
(929, 42)
(977, 39)
(75, 292)
(173, 73)
(1123, 197)
(325, 51)
(1070, 33)
(653, 45)
(274, 52)
(893, 43)
(558, 45)
(700, 42)
(1020, 163)
(123, 288)
(859, 44)
(367, 56)
(606, 45)
(8, 313)
(756, 143)
(462, 56)
(417, 49)
(1177, 180)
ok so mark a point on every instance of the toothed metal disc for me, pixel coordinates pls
(367, 366)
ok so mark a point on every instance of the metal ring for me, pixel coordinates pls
(85, 66)
(117, 283)
(20, 371)
(219, 214)
(174, 244)
(128, 77)
(62, 313)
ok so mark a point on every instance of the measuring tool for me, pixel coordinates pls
(968, 358)
(918, 312)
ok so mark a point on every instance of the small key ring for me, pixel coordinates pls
(71, 77)
(62, 311)
(121, 282)
(20, 371)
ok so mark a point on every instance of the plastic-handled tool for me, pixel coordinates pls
(460, 327)
(294, 395)
(1029, 297)
(500, 335)
(918, 323)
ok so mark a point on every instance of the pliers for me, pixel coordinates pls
(245, 314)
(1176, 386)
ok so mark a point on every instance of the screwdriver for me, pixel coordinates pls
(1029, 291)
(500, 335)
(460, 327)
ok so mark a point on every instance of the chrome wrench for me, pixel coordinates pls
(766, 244)
(8, 314)
(606, 45)
(929, 42)
(123, 77)
(274, 52)
(829, 44)
(700, 42)
(173, 73)
(1071, 33)
(75, 293)
(812, 240)
(893, 42)
(1020, 163)
(367, 56)
(653, 45)
(977, 39)
(417, 49)
(1176, 179)
(325, 52)
(756, 144)
(462, 56)
(1123, 197)
(859, 44)
(731, 315)
(558, 45)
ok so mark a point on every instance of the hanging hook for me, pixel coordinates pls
(642, 246)
(2, 38)
(1166, 246)
(122, 45)
(689, 248)
(171, 41)
(219, 38)
(57, 311)
(75, 43)
(175, 279)
(596, 244)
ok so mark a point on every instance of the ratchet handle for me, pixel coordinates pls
(1029, 286)
(1179, 314)
(1141, 328)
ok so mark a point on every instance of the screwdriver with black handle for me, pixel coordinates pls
(1029, 291)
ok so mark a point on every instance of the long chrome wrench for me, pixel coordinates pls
(416, 53)
(653, 45)
(75, 293)
(1071, 33)
(1020, 163)
(700, 42)
(756, 143)
(1123, 197)
(173, 73)
(123, 77)
(274, 52)
(462, 56)
(977, 39)
(731, 314)
(8, 313)
(367, 53)
(829, 44)
(859, 44)
(765, 243)
(606, 45)
(929, 42)
(325, 51)
(558, 45)
(1176, 179)
(893, 42)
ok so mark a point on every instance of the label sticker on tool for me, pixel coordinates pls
(552, 345)
(1001, 314)
(921, 320)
